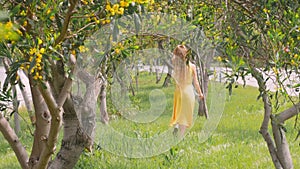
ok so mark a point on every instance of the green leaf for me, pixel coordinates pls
(137, 23)
(3, 15)
(296, 85)
(16, 9)
(115, 31)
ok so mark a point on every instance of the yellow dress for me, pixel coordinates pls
(184, 102)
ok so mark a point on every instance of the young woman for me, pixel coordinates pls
(185, 76)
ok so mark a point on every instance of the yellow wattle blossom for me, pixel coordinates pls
(116, 7)
(19, 32)
(39, 56)
(105, 21)
(32, 51)
(52, 18)
(266, 10)
(23, 13)
(124, 4)
(25, 23)
(9, 25)
(84, 2)
(108, 7)
(121, 11)
(48, 11)
(42, 50)
(35, 77)
(83, 49)
(40, 41)
(117, 51)
(219, 59)
(293, 63)
(275, 70)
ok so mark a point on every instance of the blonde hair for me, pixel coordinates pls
(180, 64)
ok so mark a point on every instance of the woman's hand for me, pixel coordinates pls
(201, 96)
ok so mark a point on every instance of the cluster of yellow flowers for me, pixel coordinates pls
(83, 49)
(266, 10)
(275, 70)
(85, 2)
(118, 47)
(7, 31)
(36, 70)
(295, 60)
(219, 59)
(116, 8)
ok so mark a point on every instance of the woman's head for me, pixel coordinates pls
(181, 51)
(180, 63)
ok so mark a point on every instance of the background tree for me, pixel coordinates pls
(261, 38)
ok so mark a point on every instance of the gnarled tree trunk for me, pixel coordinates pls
(278, 145)
(42, 127)
(79, 123)
(103, 109)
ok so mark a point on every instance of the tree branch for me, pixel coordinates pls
(66, 22)
(289, 113)
(56, 114)
(10, 135)
(267, 114)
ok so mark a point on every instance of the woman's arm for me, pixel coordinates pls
(196, 82)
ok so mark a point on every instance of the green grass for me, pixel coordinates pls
(235, 144)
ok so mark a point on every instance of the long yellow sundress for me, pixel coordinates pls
(184, 102)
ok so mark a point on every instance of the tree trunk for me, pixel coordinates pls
(79, 124)
(283, 151)
(42, 127)
(169, 74)
(279, 151)
(202, 76)
(103, 109)
(17, 127)
(16, 110)
(166, 62)
(137, 77)
(14, 142)
(27, 101)
(203, 80)
(43, 120)
(73, 141)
